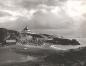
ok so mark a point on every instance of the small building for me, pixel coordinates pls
(10, 41)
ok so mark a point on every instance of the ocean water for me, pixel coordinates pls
(7, 55)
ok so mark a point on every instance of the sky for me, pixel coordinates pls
(44, 14)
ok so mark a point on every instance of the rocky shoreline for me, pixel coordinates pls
(8, 37)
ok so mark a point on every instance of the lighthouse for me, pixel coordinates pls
(26, 30)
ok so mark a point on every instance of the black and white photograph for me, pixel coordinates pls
(42, 32)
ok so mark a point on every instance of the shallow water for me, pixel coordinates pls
(8, 56)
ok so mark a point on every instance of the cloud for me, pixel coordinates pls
(15, 14)
(44, 14)
(7, 19)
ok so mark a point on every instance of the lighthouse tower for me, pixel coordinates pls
(26, 30)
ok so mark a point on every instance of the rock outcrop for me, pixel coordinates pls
(62, 41)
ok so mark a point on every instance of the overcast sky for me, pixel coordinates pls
(43, 14)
